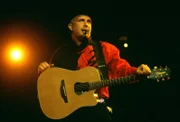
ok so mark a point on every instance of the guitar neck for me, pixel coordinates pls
(87, 86)
(111, 82)
(156, 74)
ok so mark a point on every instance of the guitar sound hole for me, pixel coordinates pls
(80, 88)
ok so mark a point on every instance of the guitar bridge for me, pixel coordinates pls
(63, 91)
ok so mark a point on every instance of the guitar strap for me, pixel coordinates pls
(103, 69)
(100, 59)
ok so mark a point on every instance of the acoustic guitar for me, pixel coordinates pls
(62, 91)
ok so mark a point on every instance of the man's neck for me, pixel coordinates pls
(76, 40)
(79, 41)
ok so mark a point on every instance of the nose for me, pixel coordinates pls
(85, 24)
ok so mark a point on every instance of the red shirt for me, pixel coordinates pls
(117, 67)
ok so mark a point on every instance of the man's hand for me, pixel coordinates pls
(143, 69)
(43, 66)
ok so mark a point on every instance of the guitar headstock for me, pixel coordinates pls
(161, 73)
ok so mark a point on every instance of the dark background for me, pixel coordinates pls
(42, 27)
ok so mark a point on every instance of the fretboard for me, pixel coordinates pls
(111, 82)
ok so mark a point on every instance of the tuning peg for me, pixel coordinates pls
(168, 78)
(157, 80)
(166, 67)
(155, 67)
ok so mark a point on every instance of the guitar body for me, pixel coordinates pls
(55, 81)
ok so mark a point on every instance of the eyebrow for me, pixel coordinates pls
(89, 20)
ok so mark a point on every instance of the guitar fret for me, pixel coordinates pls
(111, 82)
(104, 83)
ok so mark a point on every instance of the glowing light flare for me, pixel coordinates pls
(125, 45)
(16, 54)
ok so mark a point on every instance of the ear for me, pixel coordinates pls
(70, 26)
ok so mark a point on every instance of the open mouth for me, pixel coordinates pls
(85, 31)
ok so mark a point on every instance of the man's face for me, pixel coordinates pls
(81, 26)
